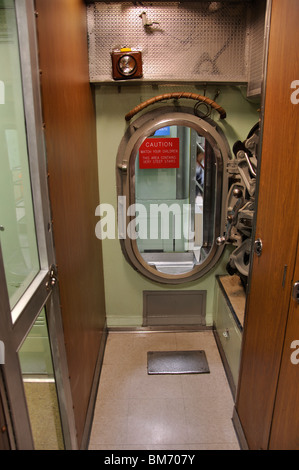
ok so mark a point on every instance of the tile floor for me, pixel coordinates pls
(135, 410)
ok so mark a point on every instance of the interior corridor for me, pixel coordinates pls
(138, 411)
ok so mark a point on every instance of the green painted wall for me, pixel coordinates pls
(123, 286)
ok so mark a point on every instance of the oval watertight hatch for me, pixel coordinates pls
(173, 194)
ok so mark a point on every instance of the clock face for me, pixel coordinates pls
(127, 65)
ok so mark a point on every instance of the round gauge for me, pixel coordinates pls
(127, 65)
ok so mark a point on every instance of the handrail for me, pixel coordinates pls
(177, 96)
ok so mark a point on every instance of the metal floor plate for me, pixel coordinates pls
(177, 362)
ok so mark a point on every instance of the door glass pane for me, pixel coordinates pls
(171, 194)
(40, 387)
(17, 226)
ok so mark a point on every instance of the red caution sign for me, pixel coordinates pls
(160, 153)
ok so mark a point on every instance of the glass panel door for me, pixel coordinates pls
(40, 387)
(33, 371)
(17, 225)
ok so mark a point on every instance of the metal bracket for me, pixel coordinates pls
(146, 23)
(52, 280)
(295, 292)
(123, 166)
(226, 333)
(258, 247)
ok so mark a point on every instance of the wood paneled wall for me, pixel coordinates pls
(277, 225)
(70, 134)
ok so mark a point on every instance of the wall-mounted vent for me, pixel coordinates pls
(181, 41)
(174, 308)
(256, 51)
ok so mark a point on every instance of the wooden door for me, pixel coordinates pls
(285, 426)
(70, 136)
(277, 225)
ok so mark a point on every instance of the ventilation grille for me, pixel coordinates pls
(189, 43)
(173, 308)
(256, 51)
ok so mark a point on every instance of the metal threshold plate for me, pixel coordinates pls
(177, 362)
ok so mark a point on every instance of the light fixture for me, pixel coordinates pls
(126, 64)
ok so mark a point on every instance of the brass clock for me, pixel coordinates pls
(126, 64)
